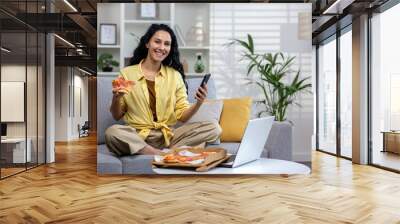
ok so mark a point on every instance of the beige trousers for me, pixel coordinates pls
(124, 140)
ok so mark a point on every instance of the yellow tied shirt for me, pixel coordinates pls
(171, 101)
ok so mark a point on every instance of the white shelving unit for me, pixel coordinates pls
(186, 16)
(194, 74)
(193, 48)
(107, 73)
(147, 21)
(109, 13)
(108, 46)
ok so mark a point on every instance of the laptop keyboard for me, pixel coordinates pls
(230, 160)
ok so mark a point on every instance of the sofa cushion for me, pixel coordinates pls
(107, 162)
(234, 118)
(104, 98)
(194, 83)
(209, 111)
(137, 164)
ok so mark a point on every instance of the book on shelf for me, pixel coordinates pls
(179, 35)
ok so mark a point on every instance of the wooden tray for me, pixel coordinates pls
(209, 162)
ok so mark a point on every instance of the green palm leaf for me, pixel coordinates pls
(273, 70)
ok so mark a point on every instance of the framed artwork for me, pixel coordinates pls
(108, 34)
(148, 10)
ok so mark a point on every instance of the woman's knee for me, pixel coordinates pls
(215, 130)
(111, 132)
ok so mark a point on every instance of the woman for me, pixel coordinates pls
(157, 100)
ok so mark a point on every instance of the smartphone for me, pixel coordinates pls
(205, 80)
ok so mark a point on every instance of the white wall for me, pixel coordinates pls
(62, 81)
(33, 127)
(81, 94)
(17, 73)
(70, 83)
(14, 73)
(275, 28)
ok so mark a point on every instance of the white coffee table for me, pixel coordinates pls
(260, 166)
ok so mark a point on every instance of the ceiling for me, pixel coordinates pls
(77, 24)
(329, 16)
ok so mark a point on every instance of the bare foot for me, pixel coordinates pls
(149, 150)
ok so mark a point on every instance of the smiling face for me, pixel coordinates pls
(159, 46)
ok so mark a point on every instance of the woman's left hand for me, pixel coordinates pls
(201, 94)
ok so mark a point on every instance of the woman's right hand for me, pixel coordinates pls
(118, 93)
(121, 86)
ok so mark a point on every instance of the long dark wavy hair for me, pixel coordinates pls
(171, 60)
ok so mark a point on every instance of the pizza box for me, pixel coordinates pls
(209, 162)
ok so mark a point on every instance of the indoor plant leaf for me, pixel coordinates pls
(273, 70)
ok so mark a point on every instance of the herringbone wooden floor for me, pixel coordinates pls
(70, 191)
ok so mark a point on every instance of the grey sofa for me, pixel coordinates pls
(109, 163)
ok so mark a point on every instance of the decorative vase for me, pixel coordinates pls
(199, 64)
(196, 35)
(185, 65)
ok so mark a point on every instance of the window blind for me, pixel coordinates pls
(268, 24)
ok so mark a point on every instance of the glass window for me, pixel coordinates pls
(41, 109)
(385, 89)
(31, 99)
(327, 97)
(346, 94)
(22, 92)
(14, 153)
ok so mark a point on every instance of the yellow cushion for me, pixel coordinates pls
(234, 118)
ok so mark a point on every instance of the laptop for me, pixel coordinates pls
(253, 142)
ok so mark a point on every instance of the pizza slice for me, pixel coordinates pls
(186, 157)
(121, 84)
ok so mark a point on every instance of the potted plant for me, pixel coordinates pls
(272, 70)
(279, 93)
(106, 62)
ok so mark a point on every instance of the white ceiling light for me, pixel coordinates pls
(86, 72)
(65, 41)
(79, 51)
(5, 50)
(70, 5)
(337, 7)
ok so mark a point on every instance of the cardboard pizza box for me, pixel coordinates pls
(210, 161)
